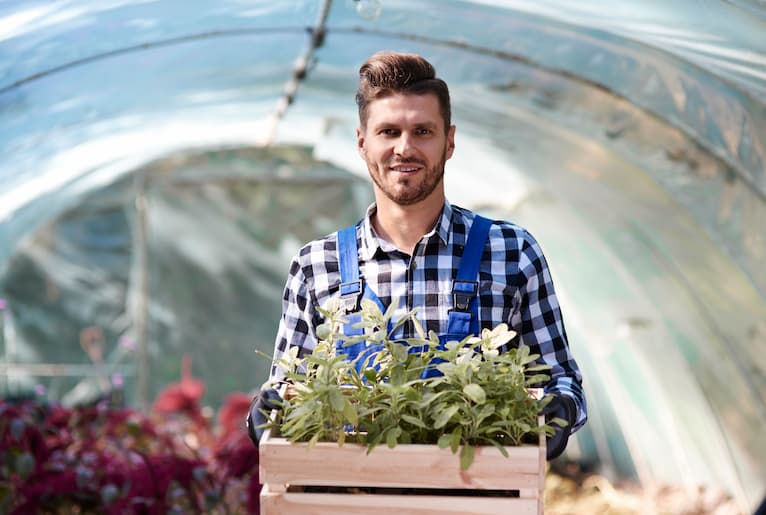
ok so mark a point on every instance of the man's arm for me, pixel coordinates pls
(296, 325)
(296, 329)
(538, 320)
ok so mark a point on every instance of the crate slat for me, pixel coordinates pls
(406, 465)
(376, 504)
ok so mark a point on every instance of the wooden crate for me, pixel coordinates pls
(422, 479)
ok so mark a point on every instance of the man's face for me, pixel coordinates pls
(405, 147)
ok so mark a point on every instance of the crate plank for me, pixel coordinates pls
(375, 504)
(416, 466)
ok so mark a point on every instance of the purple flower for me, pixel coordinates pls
(117, 380)
(39, 390)
(3, 303)
(127, 343)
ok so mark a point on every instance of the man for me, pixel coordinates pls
(412, 241)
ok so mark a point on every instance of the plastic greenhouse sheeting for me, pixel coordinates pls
(161, 162)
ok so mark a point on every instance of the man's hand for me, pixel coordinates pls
(564, 408)
(267, 399)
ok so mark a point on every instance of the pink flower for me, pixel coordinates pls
(184, 396)
(127, 343)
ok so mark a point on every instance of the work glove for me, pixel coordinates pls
(267, 399)
(560, 406)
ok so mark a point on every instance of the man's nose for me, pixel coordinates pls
(403, 144)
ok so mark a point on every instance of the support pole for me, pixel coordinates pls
(140, 290)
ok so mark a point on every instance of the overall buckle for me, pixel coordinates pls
(350, 293)
(462, 293)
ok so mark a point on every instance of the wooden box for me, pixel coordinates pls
(408, 479)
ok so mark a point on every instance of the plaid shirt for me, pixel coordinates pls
(515, 287)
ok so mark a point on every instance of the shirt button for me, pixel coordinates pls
(414, 265)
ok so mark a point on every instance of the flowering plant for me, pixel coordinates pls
(480, 395)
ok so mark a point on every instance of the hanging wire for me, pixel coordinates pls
(300, 70)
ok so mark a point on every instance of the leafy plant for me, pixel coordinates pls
(480, 397)
(113, 460)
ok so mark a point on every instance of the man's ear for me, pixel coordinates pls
(360, 142)
(450, 141)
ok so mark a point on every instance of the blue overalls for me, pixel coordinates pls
(463, 317)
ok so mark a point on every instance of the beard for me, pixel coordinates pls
(409, 190)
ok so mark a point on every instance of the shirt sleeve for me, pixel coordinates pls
(297, 327)
(537, 317)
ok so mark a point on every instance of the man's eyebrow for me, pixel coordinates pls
(421, 123)
(385, 125)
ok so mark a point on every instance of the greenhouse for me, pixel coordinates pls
(161, 163)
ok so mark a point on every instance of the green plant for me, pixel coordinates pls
(481, 397)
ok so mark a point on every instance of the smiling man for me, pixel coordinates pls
(461, 271)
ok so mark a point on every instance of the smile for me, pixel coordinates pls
(405, 169)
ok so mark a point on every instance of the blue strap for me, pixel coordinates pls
(464, 316)
(352, 288)
(474, 247)
(348, 263)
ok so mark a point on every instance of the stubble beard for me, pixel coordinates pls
(405, 197)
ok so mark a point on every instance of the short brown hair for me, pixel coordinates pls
(385, 73)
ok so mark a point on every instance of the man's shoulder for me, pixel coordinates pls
(500, 228)
(318, 250)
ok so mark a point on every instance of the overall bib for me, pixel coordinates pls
(463, 317)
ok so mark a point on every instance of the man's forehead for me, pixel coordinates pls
(400, 107)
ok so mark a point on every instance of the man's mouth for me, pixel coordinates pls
(405, 168)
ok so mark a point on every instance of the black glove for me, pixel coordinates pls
(561, 406)
(267, 399)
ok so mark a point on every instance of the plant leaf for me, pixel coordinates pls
(475, 392)
(444, 416)
(323, 331)
(392, 307)
(466, 457)
(403, 320)
(371, 375)
(392, 435)
(499, 447)
(418, 328)
(536, 379)
(415, 421)
(457, 433)
(336, 399)
(350, 413)
(397, 375)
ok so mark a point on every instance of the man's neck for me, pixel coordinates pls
(404, 226)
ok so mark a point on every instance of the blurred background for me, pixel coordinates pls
(160, 163)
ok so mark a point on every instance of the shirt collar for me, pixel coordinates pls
(371, 242)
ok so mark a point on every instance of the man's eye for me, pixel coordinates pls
(424, 131)
(389, 132)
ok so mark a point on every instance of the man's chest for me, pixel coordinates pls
(425, 283)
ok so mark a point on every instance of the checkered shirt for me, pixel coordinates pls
(515, 287)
